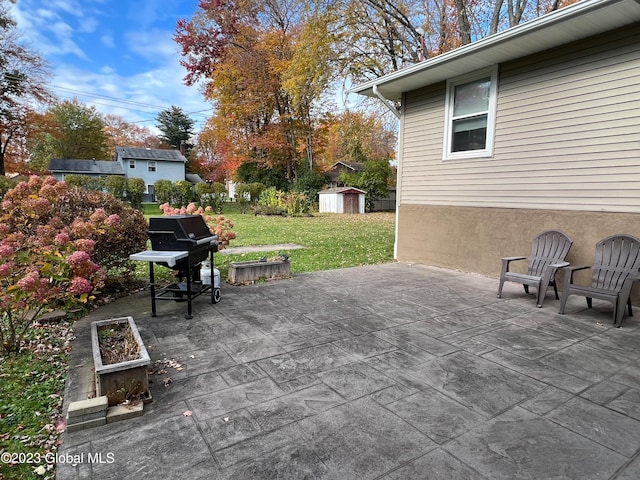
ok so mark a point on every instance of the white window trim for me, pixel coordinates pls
(447, 154)
(150, 164)
(132, 164)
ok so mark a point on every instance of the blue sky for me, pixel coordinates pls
(114, 54)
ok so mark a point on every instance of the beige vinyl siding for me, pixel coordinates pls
(567, 135)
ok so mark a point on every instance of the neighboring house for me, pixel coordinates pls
(151, 164)
(533, 128)
(61, 167)
(342, 200)
(338, 168)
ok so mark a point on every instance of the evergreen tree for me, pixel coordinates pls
(176, 128)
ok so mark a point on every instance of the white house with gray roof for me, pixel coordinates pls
(149, 164)
(60, 167)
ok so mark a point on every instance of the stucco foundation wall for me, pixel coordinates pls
(474, 239)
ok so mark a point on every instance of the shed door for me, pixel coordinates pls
(351, 203)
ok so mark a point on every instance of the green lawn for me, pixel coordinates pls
(330, 240)
(31, 394)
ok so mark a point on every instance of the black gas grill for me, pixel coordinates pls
(182, 233)
(182, 243)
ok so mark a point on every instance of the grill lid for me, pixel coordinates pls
(179, 232)
(184, 226)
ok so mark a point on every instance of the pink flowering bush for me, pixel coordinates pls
(124, 230)
(46, 258)
(218, 224)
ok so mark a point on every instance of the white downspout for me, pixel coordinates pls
(398, 184)
(395, 111)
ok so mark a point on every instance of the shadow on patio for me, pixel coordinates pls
(393, 371)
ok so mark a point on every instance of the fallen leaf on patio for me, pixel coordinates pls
(41, 470)
(188, 413)
(226, 419)
(167, 381)
(192, 356)
(179, 369)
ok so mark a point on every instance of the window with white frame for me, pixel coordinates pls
(132, 164)
(151, 166)
(470, 116)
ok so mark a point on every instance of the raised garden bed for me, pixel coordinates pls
(242, 273)
(121, 360)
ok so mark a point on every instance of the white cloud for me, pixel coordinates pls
(67, 6)
(46, 31)
(154, 45)
(107, 40)
(43, 14)
(136, 98)
(83, 41)
(88, 25)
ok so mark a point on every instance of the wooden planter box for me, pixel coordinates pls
(248, 272)
(124, 380)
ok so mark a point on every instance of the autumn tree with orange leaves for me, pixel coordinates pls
(264, 72)
(271, 67)
(125, 134)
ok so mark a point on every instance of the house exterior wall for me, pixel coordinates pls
(172, 171)
(474, 238)
(567, 135)
(566, 150)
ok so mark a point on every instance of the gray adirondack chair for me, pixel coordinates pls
(616, 267)
(548, 252)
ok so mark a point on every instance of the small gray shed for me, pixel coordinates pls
(342, 200)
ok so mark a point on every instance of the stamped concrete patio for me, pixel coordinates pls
(393, 371)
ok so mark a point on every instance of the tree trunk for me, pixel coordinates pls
(464, 27)
(495, 18)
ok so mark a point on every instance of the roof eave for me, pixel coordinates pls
(575, 22)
